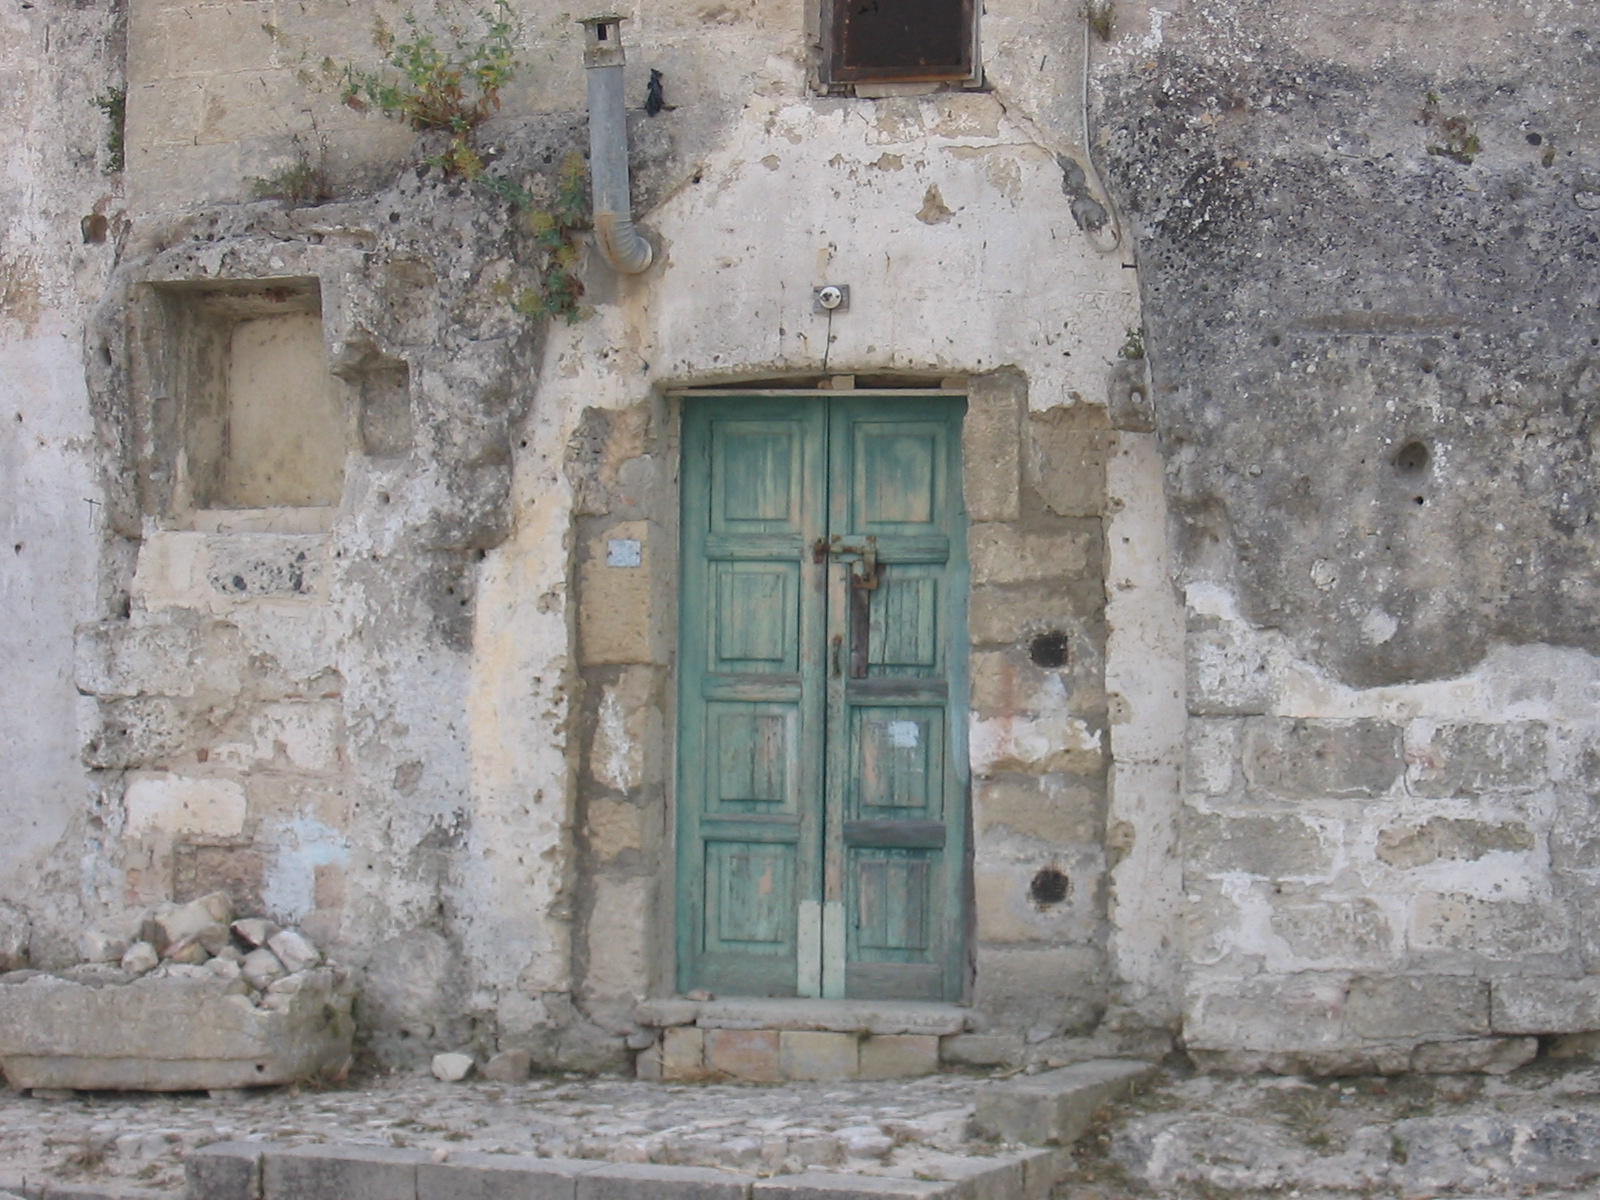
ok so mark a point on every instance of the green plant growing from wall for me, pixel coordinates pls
(557, 291)
(1457, 139)
(114, 104)
(304, 181)
(1133, 347)
(449, 84)
(1102, 17)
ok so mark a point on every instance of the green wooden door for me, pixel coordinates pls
(821, 777)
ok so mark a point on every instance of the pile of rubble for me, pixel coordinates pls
(198, 1001)
(201, 940)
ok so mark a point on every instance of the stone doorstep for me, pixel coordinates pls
(263, 1171)
(822, 1016)
(1056, 1107)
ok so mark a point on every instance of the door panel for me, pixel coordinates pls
(822, 791)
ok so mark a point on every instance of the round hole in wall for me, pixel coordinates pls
(1050, 886)
(1411, 459)
(1051, 650)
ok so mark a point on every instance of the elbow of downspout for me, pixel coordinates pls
(620, 242)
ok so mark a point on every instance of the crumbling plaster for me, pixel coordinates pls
(1340, 697)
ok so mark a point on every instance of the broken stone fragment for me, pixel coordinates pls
(139, 958)
(294, 950)
(261, 967)
(509, 1066)
(189, 951)
(254, 931)
(452, 1068)
(224, 968)
(96, 946)
(184, 922)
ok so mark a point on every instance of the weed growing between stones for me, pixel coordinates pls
(1133, 347)
(452, 85)
(430, 84)
(558, 290)
(1102, 18)
(115, 106)
(1458, 140)
(302, 182)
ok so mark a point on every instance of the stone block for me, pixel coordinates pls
(1450, 839)
(224, 1171)
(1408, 1006)
(472, 1176)
(1266, 844)
(170, 1034)
(616, 621)
(1042, 1170)
(1496, 930)
(259, 566)
(899, 1056)
(625, 753)
(1043, 991)
(1488, 1056)
(629, 1181)
(1538, 1005)
(810, 1054)
(1003, 554)
(1312, 760)
(120, 659)
(509, 1066)
(751, 1055)
(175, 804)
(1211, 752)
(1476, 759)
(991, 441)
(1229, 672)
(145, 731)
(683, 1049)
(982, 1049)
(102, 1191)
(853, 1187)
(991, 1177)
(1066, 461)
(1000, 616)
(1056, 1107)
(838, 1016)
(1057, 808)
(1323, 932)
(1267, 1014)
(341, 1173)
(619, 930)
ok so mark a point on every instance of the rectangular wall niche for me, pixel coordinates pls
(260, 421)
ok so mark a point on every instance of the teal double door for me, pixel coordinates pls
(821, 740)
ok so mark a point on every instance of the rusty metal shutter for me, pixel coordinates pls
(890, 40)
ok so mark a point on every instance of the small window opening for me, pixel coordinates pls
(900, 41)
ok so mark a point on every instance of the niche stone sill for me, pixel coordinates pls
(300, 519)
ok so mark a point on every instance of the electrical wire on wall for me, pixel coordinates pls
(1113, 221)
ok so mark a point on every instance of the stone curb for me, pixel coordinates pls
(264, 1171)
(1054, 1108)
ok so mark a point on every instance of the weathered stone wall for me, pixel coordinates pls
(1366, 254)
(1331, 537)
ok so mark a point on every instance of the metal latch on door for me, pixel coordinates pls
(864, 556)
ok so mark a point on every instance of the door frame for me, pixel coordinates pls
(961, 969)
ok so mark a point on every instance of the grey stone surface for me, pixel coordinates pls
(224, 1171)
(626, 1181)
(1309, 760)
(1412, 1006)
(1546, 1005)
(847, 1016)
(837, 1187)
(501, 1177)
(1055, 1107)
(340, 1173)
(167, 1034)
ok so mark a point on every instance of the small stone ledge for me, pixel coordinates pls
(829, 1016)
(1054, 1108)
(263, 1171)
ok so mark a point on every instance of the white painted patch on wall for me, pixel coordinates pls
(302, 844)
(173, 804)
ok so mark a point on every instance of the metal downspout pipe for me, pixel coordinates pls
(618, 238)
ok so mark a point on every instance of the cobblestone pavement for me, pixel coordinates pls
(897, 1128)
(1189, 1137)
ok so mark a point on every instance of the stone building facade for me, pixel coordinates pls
(1267, 647)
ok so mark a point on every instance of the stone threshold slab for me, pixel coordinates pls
(825, 1016)
(1054, 1108)
(264, 1171)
